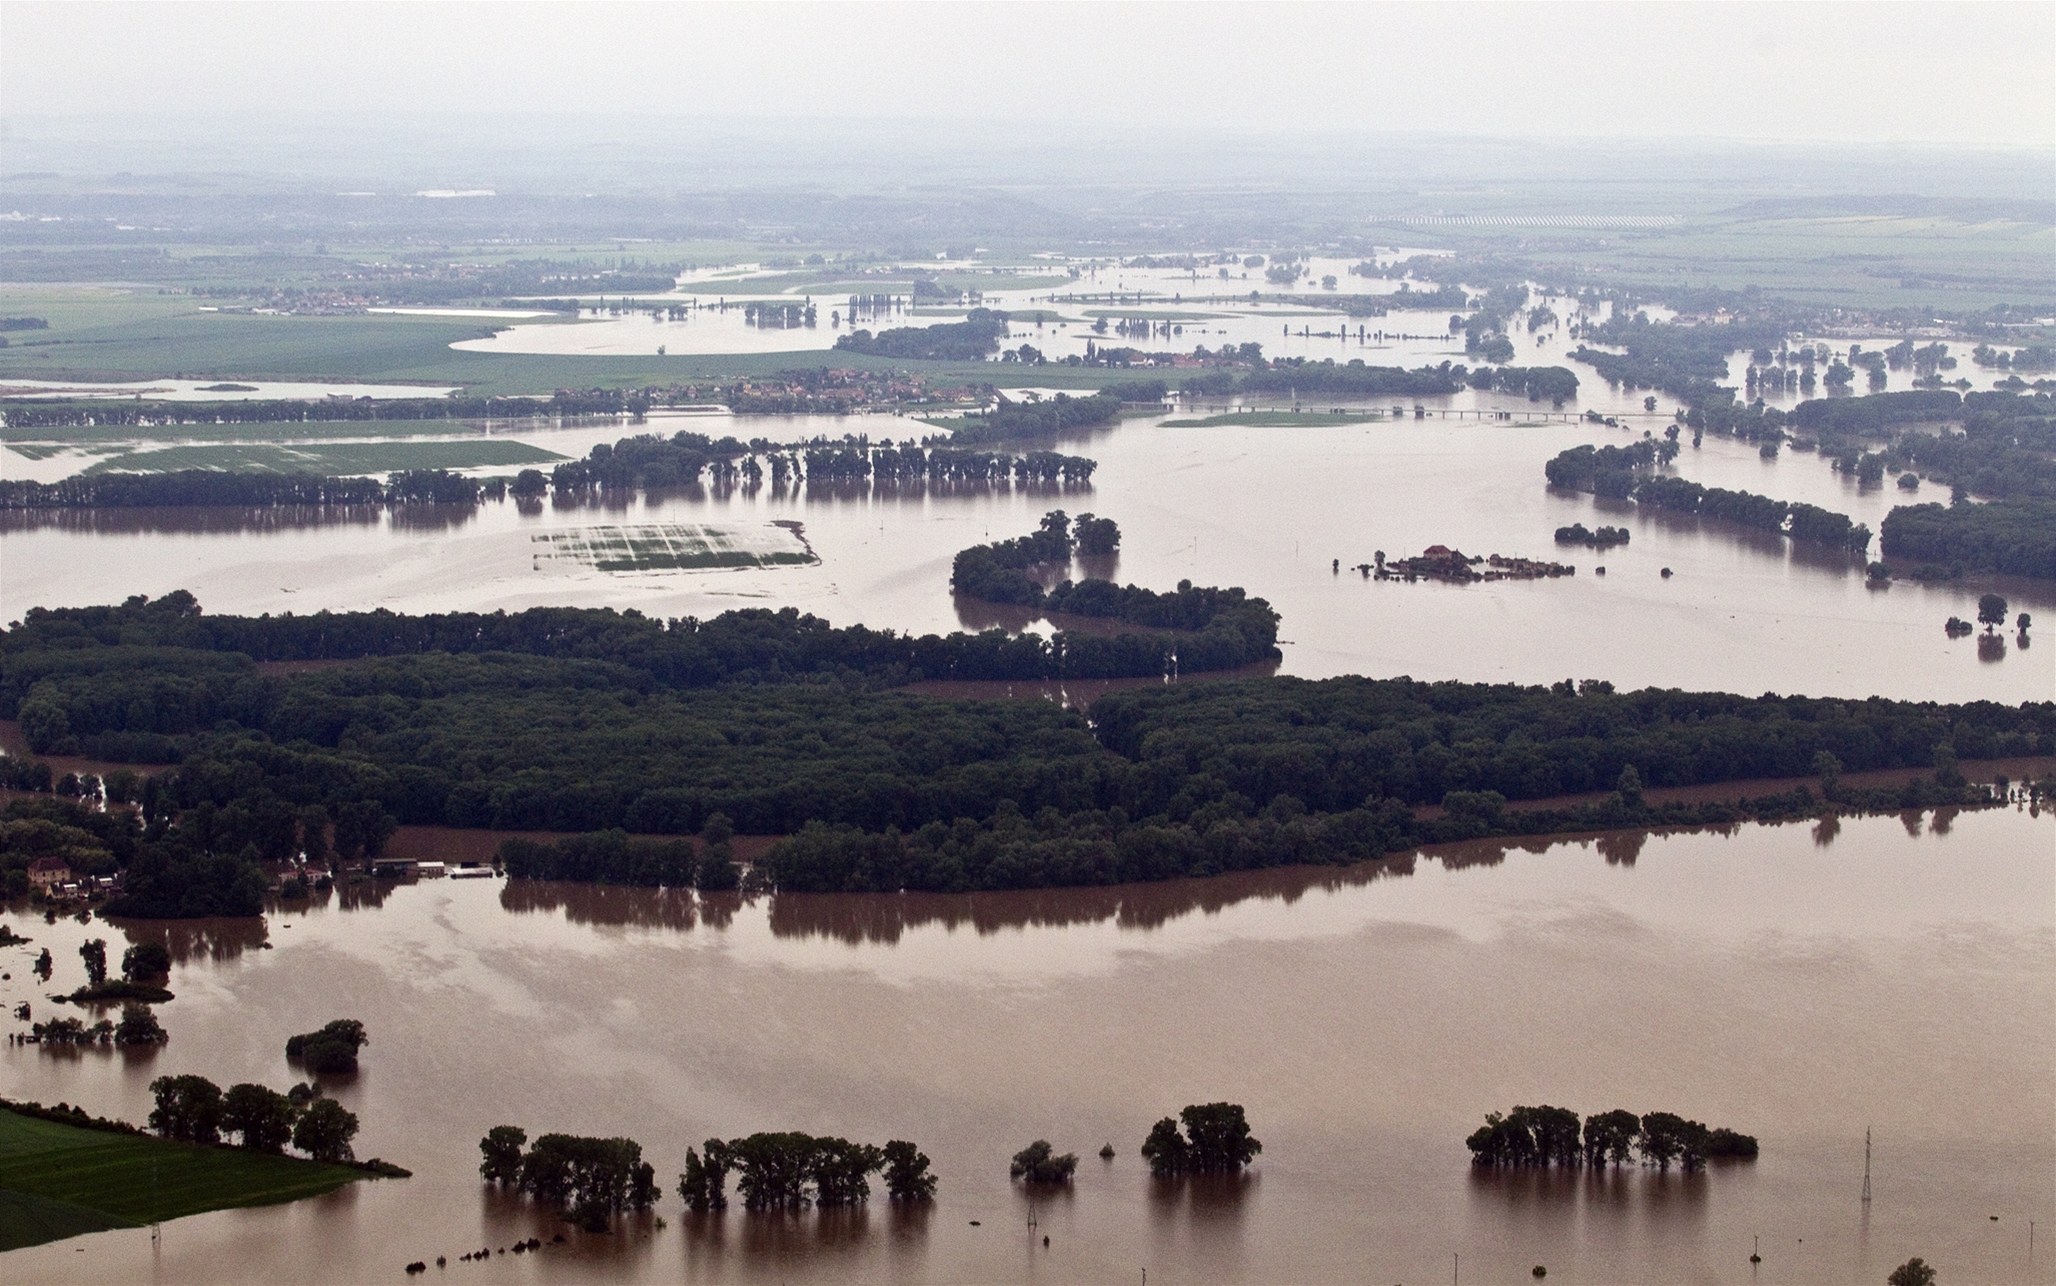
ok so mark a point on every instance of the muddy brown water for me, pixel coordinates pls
(1267, 509)
(1798, 982)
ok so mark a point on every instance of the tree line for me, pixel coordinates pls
(971, 340)
(1618, 472)
(2013, 537)
(89, 412)
(1542, 1137)
(1010, 419)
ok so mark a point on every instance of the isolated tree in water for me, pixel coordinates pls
(1991, 611)
(1914, 1272)
(94, 953)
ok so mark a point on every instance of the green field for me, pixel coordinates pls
(96, 340)
(39, 443)
(1278, 419)
(677, 547)
(58, 1181)
(329, 459)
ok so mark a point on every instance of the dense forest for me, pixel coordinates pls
(1010, 419)
(1688, 362)
(2014, 537)
(1188, 629)
(973, 339)
(579, 721)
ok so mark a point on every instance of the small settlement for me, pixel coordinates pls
(1440, 562)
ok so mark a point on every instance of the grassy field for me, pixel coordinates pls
(677, 547)
(59, 1181)
(99, 342)
(330, 459)
(1278, 419)
(1854, 260)
(37, 443)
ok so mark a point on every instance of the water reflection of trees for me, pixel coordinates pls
(217, 939)
(885, 918)
(189, 520)
(739, 1244)
(1555, 1196)
(602, 904)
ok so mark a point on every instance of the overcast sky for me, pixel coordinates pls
(1980, 73)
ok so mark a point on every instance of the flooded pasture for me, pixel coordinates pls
(1801, 983)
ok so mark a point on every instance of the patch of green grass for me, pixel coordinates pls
(677, 547)
(60, 1180)
(38, 443)
(1278, 419)
(330, 459)
(147, 343)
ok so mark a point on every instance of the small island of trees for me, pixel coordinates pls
(1215, 1140)
(786, 1170)
(1040, 1164)
(330, 1051)
(1541, 1137)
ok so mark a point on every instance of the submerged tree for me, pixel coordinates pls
(1215, 1139)
(906, 1173)
(1039, 1163)
(501, 1150)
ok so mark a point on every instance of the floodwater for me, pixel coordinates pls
(1800, 983)
(1269, 509)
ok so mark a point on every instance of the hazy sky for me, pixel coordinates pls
(1982, 73)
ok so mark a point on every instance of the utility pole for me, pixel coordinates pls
(1866, 1165)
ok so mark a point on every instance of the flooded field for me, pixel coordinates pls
(1270, 509)
(1800, 983)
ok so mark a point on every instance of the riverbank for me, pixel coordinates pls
(60, 1180)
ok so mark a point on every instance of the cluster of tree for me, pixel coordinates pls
(1300, 377)
(1555, 385)
(2006, 450)
(1039, 1164)
(142, 967)
(1880, 411)
(1223, 628)
(193, 1109)
(1010, 419)
(1688, 362)
(90, 412)
(2031, 357)
(330, 1050)
(786, 1170)
(137, 1029)
(592, 1179)
(1620, 472)
(1610, 471)
(1541, 1137)
(971, 340)
(1793, 518)
(1604, 538)
(195, 487)
(1215, 1140)
(2017, 537)
(999, 572)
